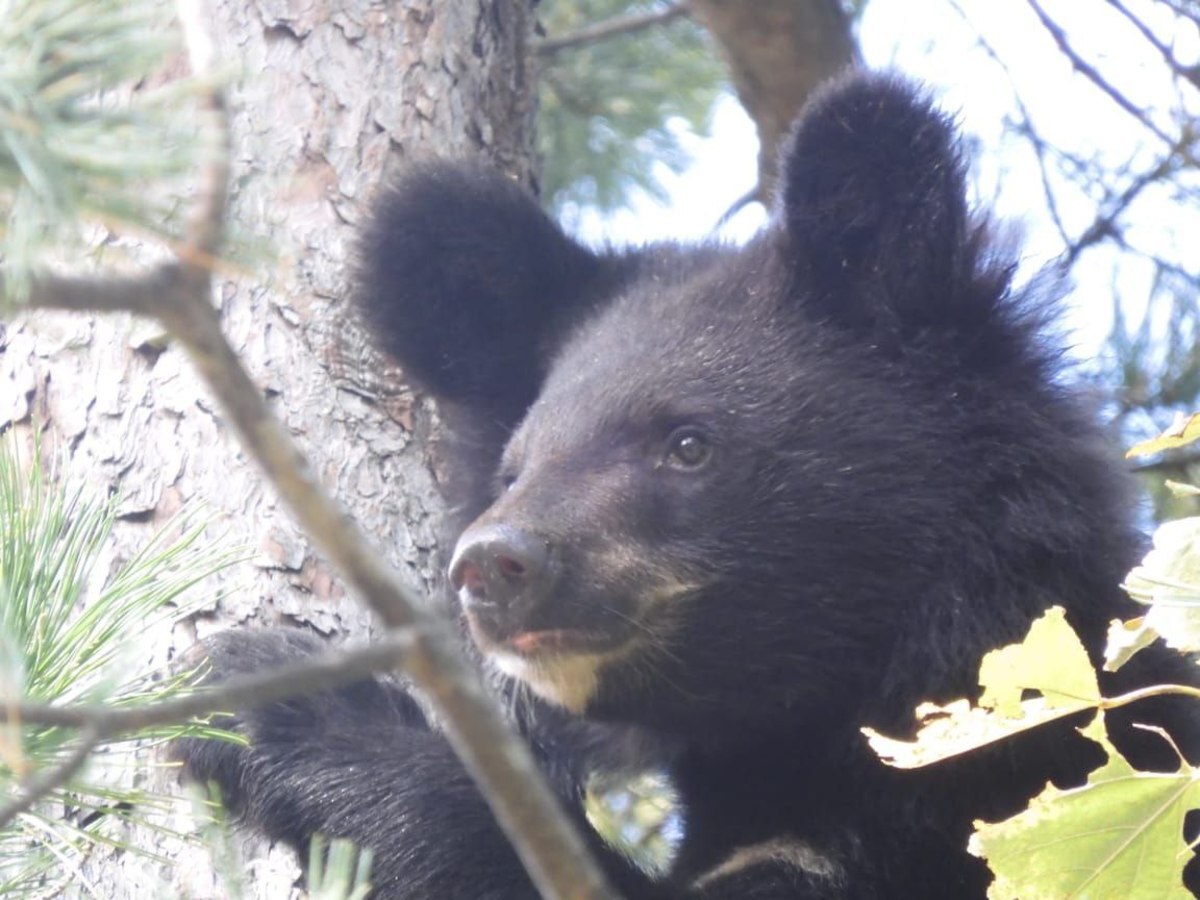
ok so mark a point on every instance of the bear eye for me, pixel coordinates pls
(687, 449)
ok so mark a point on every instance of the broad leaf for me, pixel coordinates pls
(1182, 432)
(1051, 661)
(1168, 581)
(1118, 836)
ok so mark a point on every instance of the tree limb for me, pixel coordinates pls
(1189, 74)
(48, 780)
(779, 52)
(1093, 75)
(609, 28)
(324, 672)
(1104, 225)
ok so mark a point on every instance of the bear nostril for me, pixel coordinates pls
(503, 568)
(468, 576)
(510, 568)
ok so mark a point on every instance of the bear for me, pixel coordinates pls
(716, 508)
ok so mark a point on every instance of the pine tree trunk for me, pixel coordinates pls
(331, 97)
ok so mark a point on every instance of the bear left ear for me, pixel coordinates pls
(874, 206)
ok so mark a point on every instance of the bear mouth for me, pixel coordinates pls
(553, 641)
(533, 643)
(563, 666)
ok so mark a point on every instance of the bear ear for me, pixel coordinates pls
(874, 206)
(469, 285)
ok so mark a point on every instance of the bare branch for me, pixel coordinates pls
(1185, 9)
(610, 28)
(509, 779)
(318, 673)
(111, 293)
(1093, 75)
(48, 780)
(779, 52)
(1025, 127)
(1189, 74)
(1104, 225)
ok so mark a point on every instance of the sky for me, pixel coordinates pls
(931, 41)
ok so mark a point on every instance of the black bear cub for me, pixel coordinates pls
(716, 508)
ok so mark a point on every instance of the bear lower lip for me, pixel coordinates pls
(558, 640)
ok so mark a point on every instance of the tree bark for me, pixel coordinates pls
(778, 52)
(333, 97)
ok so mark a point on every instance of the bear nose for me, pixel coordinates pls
(501, 573)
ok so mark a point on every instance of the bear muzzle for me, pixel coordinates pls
(510, 583)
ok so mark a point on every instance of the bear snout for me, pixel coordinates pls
(502, 574)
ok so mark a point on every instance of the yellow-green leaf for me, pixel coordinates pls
(1180, 489)
(1125, 639)
(958, 727)
(1119, 837)
(1168, 581)
(1051, 661)
(1183, 431)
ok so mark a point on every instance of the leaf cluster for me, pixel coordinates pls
(1122, 833)
(83, 133)
(65, 637)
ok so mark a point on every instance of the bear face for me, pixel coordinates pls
(750, 481)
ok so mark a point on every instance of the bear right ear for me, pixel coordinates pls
(874, 206)
(469, 285)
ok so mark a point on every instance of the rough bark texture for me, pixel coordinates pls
(333, 96)
(778, 51)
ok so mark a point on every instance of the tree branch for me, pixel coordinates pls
(1104, 225)
(1093, 75)
(1025, 127)
(48, 780)
(319, 673)
(1189, 74)
(609, 28)
(778, 51)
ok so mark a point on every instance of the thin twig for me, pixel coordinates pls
(1105, 223)
(48, 780)
(1188, 73)
(322, 672)
(1156, 690)
(1093, 75)
(1026, 126)
(509, 779)
(138, 293)
(609, 28)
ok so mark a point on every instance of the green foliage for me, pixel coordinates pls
(613, 109)
(1045, 677)
(66, 637)
(1121, 833)
(77, 141)
(337, 870)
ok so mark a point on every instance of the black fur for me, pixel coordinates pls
(896, 479)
